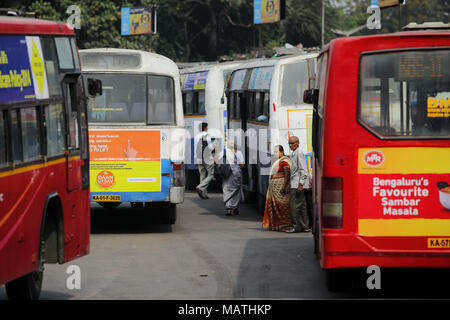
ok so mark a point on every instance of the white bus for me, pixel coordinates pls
(136, 134)
(204, 100)
(265, 108)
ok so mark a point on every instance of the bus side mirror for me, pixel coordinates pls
(95, 87)
(310, 95)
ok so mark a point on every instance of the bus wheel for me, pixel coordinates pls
(109, 205)
(137, 204)
(29, 286)
(168, 213)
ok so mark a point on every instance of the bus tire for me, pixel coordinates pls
(29, 286)
(169, 213)
(109, 205)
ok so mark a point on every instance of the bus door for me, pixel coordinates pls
(243, 103)
(76, 157)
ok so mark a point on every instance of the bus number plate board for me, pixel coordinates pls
(106, 197)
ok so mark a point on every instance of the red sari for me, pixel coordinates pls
(276, 212)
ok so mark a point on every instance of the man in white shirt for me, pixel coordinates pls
(204, 157)
(299, 182)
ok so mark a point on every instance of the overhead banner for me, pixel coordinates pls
(22, 70)
(268, 11)
(136, 21)
(389, 3)
(385, 3)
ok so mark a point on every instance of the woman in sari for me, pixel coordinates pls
(276, 213)
(231, 186)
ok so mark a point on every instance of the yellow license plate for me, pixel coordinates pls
(106, 197)
(439, 243)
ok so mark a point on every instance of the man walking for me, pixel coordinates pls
(205, 161)
(299, 182)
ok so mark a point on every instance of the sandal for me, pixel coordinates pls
(289, 230)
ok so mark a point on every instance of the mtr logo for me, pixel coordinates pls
(105, 179)
(373, 158)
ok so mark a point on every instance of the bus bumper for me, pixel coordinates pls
(350, 251)
(176, 194)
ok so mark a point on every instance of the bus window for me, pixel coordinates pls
(64, 52)
(54, 119)
(404, 94)
(318, 112)
(161, 101)
(16, 137)
(74, 53)
(322, 77)
(231, 105)
(72, 112)
(258, 109)
(2, 141)
(201, 102)
(189, 103)
(263, 116)
(237, 104)
(51, 65)
(251, 106)
(30, 134)
(123, 99)
(295, 82)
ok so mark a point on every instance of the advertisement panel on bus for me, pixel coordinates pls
(122, 164)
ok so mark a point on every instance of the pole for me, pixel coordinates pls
(323, 23)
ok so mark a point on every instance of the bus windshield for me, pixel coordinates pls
(406, 94)
(124, 99)
(295, 82)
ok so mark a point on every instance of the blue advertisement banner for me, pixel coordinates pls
(195, 81)
(16, 83)
(257, 11)
(125, 16)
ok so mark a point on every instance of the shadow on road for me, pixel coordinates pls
(126, 220)
(266, 262)
(214, 207)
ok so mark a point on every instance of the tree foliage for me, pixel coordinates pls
(203, 30)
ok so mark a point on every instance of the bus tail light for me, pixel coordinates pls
(178, 174)
(332, 209)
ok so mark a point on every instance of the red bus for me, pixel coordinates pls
(44, 155)
(381, 145)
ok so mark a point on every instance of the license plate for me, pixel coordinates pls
(106, 197)
(439, 243)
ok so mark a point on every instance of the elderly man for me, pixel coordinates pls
(299, 182)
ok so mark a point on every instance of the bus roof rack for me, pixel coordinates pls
(426, 26)
(16, 13)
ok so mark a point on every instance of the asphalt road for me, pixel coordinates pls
(207, 255)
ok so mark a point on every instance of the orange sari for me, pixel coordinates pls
(276, 212)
